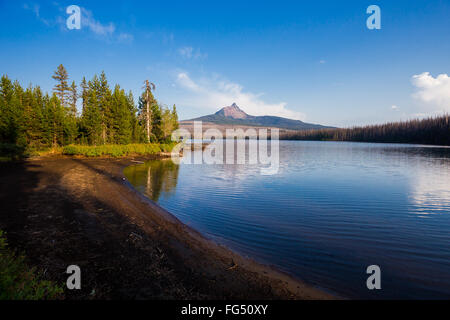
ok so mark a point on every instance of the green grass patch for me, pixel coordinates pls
(117, 150)
(18, 281)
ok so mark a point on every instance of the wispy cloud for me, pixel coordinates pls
(434, 92)
(87, 20)
(394, 107)
(106, 31)
(125, 37)
(168, 37)
(214, 93)
(191, 53)
(36, 9)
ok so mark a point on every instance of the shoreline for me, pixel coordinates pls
(130, 247)
(270, 270)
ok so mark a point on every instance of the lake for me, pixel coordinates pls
(333, 209)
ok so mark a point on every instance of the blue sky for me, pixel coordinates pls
(311, 60)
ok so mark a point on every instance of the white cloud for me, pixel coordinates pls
(394, 107)
(104, 30)
(216, 93)
(186, 82)
(35, 8)
(167, 38)
(431, 188)
(125, 37)
(322, 61)
(186, 52)
(433, 91)
(87, 20)
(421, 115)
(191, 53)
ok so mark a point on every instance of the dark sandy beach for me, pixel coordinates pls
(62, 211)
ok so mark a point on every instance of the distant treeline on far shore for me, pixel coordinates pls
(433, 131)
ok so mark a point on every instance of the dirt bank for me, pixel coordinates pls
(63, 211)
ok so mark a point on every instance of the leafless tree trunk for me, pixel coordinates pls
(147, 115)
(148, 87)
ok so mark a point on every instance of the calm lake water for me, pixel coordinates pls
(332, 210)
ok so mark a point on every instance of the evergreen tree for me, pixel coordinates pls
(38, 119)
(70, 124)
(61, 88)
(14, 112)
(84, 90)
(175, 124)
(103, 96)
(33, 117)
(55, 119)
(137, 134)
(70, 128)
(73, 98)
(92, 119)
(121, 131)
(8, 116)
(169, 122)
(157, 133)
(166, 123)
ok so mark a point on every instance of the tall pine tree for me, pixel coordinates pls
(61, 88)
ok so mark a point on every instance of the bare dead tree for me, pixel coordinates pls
(149, 86)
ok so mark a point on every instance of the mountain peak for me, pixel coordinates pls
(232, 111)
(233, 115)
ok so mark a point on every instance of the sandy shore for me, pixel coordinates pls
(61, 211)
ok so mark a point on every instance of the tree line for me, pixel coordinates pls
(433, 130)
(34, 119)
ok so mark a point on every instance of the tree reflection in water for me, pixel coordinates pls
(154, 177)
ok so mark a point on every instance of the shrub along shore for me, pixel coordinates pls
(11, 152)
(115, 150)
